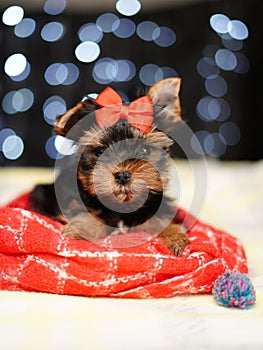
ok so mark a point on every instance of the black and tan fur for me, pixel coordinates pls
(120, 177)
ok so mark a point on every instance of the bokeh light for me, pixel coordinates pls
(210, 109)
(243, 64)
(107, 70)
(23, 100)
(52, 7)
(238, 30)
(61, 74)
(206, 66)
(210, 50)
(230, 132)
(17, 101)
(12, 15)
(216, 85)
(90, 32)
(25, 28)
(207, 109)
(219, 23)
(128, 7)
(225, 59)
(12, 147)
(22, 76)
(52, 31)
(53, 107)
(164, 36)
(64, 146)
(165, 72)
(230, 43)
(214, 145)
(7, 104)
(4, 133)
(213, 66)
(50, 148)
(87, 51)
(147, 74)
(15, 64)
(107, 22)
(146, 30)
(197, 141)
(125, 29)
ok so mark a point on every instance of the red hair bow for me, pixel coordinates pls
(138, 114)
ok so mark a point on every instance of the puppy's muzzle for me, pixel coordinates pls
(122, 177)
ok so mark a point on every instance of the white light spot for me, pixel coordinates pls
(87, 51)
(15, 64)
(219, 23)
(64, 146)
(128, 7)
(12, 147)
(13, 15)
(238, 30)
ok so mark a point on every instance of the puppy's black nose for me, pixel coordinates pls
(122, 177)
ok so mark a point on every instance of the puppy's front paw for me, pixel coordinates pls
(174, 239)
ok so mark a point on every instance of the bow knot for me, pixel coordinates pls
(139, 113)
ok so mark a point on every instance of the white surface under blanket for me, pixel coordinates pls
(228, 195)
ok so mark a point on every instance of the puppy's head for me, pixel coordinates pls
(123, 159)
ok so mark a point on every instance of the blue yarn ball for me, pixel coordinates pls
(234, 289)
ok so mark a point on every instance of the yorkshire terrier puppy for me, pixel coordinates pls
(120, 167)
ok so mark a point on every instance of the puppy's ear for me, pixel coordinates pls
(165, 98)
(65, 122)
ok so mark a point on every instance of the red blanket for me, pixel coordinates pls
(34, 256)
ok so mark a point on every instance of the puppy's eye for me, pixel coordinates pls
(98, 151)
(145, 150)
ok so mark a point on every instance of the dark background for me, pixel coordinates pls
(191, 25)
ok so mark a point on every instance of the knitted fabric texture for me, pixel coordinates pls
(34, 256)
